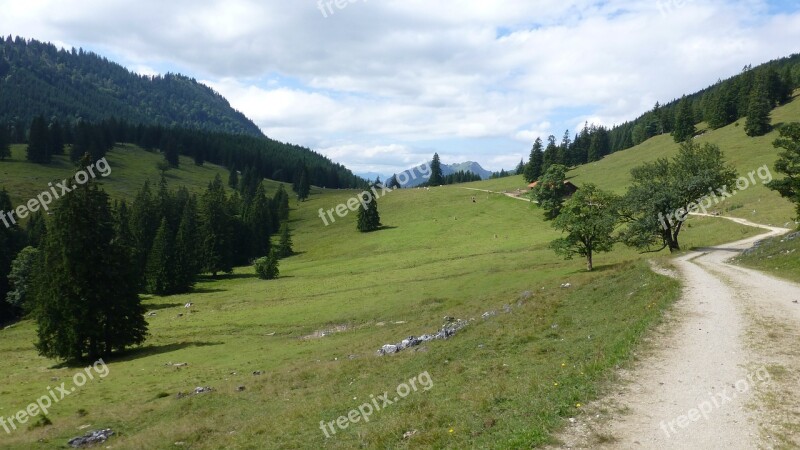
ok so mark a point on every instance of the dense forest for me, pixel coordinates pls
(39, 79)
(267, 158)
(751, 94)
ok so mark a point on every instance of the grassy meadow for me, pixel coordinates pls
(506, 381)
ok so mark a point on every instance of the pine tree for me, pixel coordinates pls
(284, 249)
(216, 229)
(86, 299)
(233, 178)
(520, 168)
(281, 204)
(684, 121)
(5, 148)
(56, 135)
(258, 220)
(368, 218)
(158, 274)
(436, 178)
(533, 170)
(758, 113)
(38, 142)
(302, 186)
(144, 221)
(187, 257)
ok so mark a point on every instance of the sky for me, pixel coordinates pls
(380, 85)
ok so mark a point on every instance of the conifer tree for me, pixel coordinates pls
(5, 148)
(187, 257)
(436, 178)
(233, 178)
(258, 220)
(38, 142)
(284, 249)
(159, 274)
(368, 218)
(758, 113)
(86, 299)
(684, 121)
(216, 229)
(281, 202)
(533, 170)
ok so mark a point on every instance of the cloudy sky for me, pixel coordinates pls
(379, 85)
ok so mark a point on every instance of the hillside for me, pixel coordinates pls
(303, 346)
(413, 174)
(746, 154)
(38, 78)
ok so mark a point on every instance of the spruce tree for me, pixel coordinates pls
(684, 121)
(5, 148)
(368, 218)
(258, 220)
(56, 135)
(533, 170)
(186, 256)
(86, 295)
(38, 141)
(436, 178)
(302, 186)
(284, 249)
(233, 178)
(267, 267)
(758, 113)
(159, 275)
(216, 234)
(281, 204)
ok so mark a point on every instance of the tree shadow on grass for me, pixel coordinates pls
(223, 277)
(135, 353)
(205, 290)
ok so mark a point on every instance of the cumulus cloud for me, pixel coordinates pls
(377, 82)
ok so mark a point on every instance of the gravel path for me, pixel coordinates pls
(707, 381)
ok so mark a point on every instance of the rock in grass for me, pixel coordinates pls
(91, 438)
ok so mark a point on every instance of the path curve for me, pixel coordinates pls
(704, 385)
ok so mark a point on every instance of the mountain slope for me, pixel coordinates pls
(413, 174)
(37, 78)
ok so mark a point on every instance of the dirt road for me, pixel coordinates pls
(720, 375)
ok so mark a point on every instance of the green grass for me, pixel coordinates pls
(505, 382)
(779, 256)
(746, 154)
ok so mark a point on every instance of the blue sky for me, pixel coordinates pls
(380, 85)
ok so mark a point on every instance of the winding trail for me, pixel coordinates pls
(706, 384)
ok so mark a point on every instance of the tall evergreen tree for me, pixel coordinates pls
(258, 219)
(216, 229)
(159, 273)
(281, 204)
(533, 170)
(38, 141)
(302, 186)
(144, 221)
(86, 298)
(788, 164)
(187, 256)
(436, 178)
(233, 178)
(5, 148)
(368, 218)
(758, 112)
(56, 135)
(684, 121)
(285, 249)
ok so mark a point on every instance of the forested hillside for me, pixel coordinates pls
(39, 79)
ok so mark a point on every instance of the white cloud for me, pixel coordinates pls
(413, 76)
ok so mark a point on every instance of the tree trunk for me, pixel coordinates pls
(589, 265)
